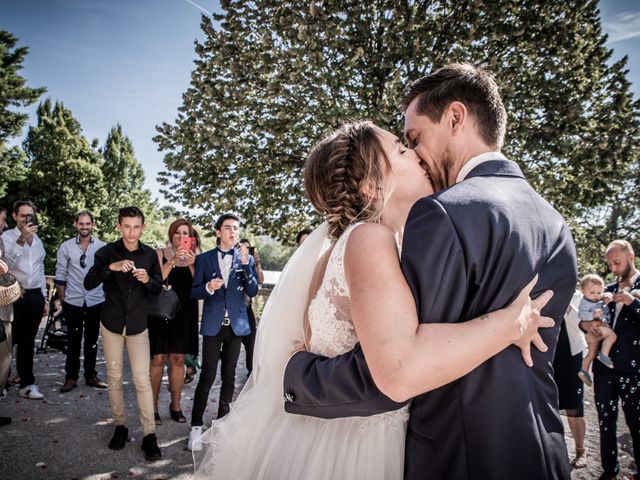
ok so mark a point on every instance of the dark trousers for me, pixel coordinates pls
(27, 315)
(609, 386)
(81, 319)
(224, 346)
(249, 341)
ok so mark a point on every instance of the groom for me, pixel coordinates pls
(468, 249)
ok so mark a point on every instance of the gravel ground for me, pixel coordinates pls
(65, 436)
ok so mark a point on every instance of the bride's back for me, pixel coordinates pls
(329, 313)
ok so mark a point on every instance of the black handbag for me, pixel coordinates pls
(165, 305)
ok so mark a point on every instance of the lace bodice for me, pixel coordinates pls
(332, 331)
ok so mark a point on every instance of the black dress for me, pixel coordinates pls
(565, 373)
(180, 335)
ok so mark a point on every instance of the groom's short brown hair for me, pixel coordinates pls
(462, 82)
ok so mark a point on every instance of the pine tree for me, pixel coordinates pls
(63, 177)
(14, 94)
(124, 181)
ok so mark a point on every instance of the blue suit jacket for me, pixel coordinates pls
(242, 279)
(625, 353)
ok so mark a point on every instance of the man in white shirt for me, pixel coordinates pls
(81, 307)
(24, 254)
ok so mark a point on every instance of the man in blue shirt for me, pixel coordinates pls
(81, 307)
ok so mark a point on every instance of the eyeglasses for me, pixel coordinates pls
(83, 259)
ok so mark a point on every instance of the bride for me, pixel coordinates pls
(364, 181)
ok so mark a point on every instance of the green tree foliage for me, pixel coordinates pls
(14, 95)
(272, 77)
(124, 180)
(63, 176)
(274, 254)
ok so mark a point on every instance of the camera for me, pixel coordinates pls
(30, 218)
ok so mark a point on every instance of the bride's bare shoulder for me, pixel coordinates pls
(370, 241)
(375, 231)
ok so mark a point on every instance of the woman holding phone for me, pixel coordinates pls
(171, 340)
(249, 340)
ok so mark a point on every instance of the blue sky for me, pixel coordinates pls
(129, 61)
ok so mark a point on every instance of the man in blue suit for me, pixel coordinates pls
(222, 278)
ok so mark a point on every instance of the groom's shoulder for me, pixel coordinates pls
(477, 194)
(485, 199)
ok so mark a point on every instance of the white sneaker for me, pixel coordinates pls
(195, 444)
(31, 391)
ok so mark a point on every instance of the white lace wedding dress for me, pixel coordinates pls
(284, 446)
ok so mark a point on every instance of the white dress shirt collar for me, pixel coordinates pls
(224, 263)
(477, 160)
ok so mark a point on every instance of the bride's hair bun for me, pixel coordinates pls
(338, 171)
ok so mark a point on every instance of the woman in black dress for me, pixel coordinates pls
(249, 340)
(566, 365)
(173, 339)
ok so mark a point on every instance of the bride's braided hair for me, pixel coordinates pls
(337, 170)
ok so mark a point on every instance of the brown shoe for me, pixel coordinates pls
(69, 385)
(95, 382)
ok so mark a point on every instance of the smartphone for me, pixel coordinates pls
(188, 243)
(252, 250)
(30, 218)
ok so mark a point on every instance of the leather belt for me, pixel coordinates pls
(32, 290)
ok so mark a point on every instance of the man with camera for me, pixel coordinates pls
(81, 307)
(25, 254)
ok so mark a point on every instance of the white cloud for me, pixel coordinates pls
(623, 26)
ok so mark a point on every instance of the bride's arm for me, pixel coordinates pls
(407, 359)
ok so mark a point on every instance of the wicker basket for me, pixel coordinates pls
(10, 289)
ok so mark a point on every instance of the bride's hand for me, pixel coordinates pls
(528, 319)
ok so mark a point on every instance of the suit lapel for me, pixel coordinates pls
(215, 264)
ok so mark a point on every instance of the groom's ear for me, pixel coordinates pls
(457, 114)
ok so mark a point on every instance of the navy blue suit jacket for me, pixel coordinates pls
(242, 279)
(468, 250)
(625, 353)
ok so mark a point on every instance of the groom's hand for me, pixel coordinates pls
(530, 320)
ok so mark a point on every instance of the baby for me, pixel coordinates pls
(593, 308)
(57, 324)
